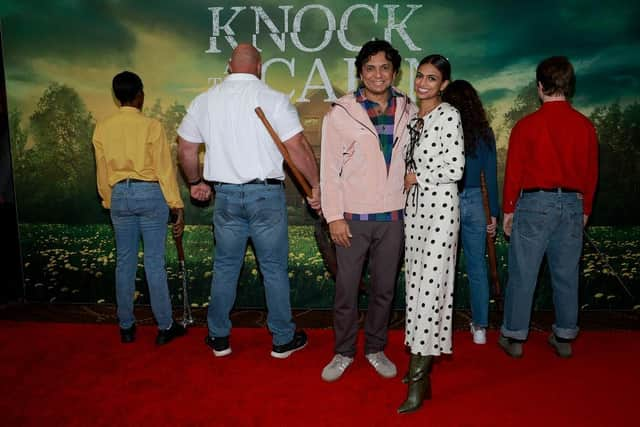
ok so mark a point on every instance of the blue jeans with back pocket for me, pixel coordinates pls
(138, 209)
(551, 224)
(258, 212)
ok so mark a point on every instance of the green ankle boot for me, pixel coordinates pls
(419, 383)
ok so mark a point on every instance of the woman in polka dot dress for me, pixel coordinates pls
(435, 162)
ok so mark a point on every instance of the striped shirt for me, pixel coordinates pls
(385, 127)
(384, 123)
(381, 216)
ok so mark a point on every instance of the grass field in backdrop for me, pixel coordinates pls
(69, 263)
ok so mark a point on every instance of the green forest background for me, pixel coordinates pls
(58, 86)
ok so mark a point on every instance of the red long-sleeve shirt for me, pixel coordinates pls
(554, 147)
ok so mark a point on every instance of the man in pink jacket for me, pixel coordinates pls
(361, 179)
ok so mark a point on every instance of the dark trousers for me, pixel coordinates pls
(383, 242)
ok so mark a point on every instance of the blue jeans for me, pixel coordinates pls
(548, 223)
(259, 212)
(473, 231)
(139, 209)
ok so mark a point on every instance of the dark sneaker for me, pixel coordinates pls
(220, 346)
(562, 347)
(511, 346)
(128, 335)
(167, 335)
(298, 342)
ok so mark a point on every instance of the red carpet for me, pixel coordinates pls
(80, 375)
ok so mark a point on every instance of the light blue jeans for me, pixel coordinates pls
(259, 212)
(548, 223)
(473, 231)
(139, 209)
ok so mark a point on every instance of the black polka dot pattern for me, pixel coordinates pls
(432, 234)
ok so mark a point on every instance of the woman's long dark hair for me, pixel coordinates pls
(462, 95)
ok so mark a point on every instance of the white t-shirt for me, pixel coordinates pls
(238, 147)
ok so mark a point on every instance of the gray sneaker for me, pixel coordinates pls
(510, 346)
(336, 367)
(563, 349)
(382, 364)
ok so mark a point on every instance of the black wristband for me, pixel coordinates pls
(199, 180)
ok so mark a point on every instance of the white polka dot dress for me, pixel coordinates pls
(432, 223)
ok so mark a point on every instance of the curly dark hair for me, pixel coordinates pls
(462, 95)
(371, 48)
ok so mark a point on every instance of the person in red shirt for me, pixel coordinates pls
(549, 184)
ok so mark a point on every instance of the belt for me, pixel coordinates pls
(268, 181)
(128, 180)
(550, 190)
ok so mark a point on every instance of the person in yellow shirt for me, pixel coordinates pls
(137, 181)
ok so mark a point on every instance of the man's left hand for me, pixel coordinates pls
(507, 224)
(201, 192)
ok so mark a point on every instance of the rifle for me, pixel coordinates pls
(187, 318)
(491, 246)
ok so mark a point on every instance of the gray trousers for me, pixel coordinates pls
(383, 242)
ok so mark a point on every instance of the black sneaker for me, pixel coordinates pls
(298, 342)
(128, 335)
(167, 335)
(220, 346)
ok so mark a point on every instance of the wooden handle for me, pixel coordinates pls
(299, 178)
(179, 248)
(491, 246)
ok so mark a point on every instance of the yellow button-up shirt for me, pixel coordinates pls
(131, 145)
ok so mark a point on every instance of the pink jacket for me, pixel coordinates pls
(353, 173)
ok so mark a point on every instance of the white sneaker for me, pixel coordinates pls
(382, 364)
(336, 367)
(479, 334)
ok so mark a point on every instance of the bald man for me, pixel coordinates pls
(244, 168)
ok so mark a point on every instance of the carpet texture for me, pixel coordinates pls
(69, 374)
